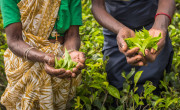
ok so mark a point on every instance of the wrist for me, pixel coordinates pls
(121, 28)
(47, 58)
(161, 22)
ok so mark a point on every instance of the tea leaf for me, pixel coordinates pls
(143, 40)
(136, 77)
(113, 91)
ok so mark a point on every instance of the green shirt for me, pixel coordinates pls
(69, 14)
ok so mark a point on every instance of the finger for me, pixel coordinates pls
(150, 57)
(143, 58)
(140, 63)
(153, 51)
(76, 71)
(80, 66)
(122, 43)
(132, 52)
(82, 58)
(52, 71)
(133, 60)
(161, 44)
(73, 75)
(49, 59)
(67, 74)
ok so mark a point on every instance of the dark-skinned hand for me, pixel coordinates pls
(62, 73)
(132, 56)
(78, 57)
(152, 54)
(49, 61)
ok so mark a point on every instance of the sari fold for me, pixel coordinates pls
(29, 86)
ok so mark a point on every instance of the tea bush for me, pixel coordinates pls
(95, 92)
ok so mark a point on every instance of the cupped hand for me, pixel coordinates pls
(49, 61)
(132, 56)
(78, 57)
(151, 55)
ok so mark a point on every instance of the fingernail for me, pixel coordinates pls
(122, 46)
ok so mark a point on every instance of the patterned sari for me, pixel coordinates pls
(29, 86)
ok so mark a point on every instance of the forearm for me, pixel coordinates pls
(18, 46)
(72, 38)
(104, 18)
(168, 7)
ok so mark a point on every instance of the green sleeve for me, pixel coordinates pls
(76, 12)
(10, 12)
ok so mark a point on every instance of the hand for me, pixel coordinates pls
(78, 57)
(152, 54)
(131, 55)
(49, 68)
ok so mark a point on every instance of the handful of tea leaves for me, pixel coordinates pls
(143, 40)
(65, 63)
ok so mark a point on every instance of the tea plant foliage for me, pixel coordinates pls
(95, 92)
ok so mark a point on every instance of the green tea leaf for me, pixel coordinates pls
(136, 77)
(65, 63)
(113, 91)
(143, 40)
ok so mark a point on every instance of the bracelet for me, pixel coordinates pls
(26, 52)
(170, 19)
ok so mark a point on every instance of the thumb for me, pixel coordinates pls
(123, 45)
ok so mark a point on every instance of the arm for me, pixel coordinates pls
(72, 38)
(17, 45)
(160, 26)
(162, 21)
(107, 21)
(104, 18)
(72, 42)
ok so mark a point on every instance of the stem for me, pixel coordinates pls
(105, 98)
(145, 106)
(117, 102)
(2, 86)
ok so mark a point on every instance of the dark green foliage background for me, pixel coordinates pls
(95, 92)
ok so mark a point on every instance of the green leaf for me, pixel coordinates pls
(86, 100)
(56, 63)
(124, 98)
(97, 103)
(143, 40)
(126, 87)
(131, 73)
(136, 98)
(103, 108)
(136, 77)
(120, 108)
(171, 102)
(113, 91)
(124, 75)
(97, 86)
(65, 63)
(135, 89)
(158, 101)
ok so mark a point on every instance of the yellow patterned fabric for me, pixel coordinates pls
(29, 86)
